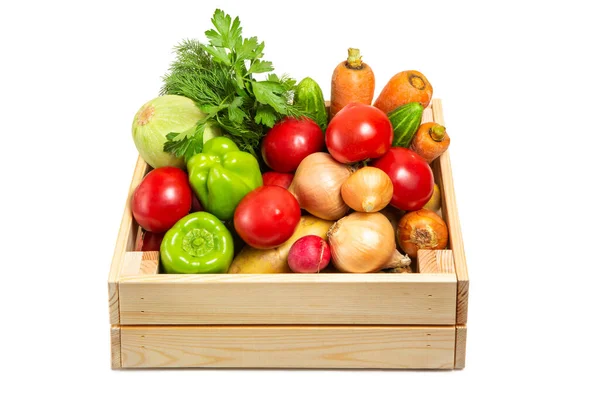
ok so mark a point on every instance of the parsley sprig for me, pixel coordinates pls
(219, 77)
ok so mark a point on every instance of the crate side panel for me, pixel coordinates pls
(450, 211)
(394, 299)
(128, 232)
(289, 347)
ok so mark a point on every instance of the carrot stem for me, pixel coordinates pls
(354, 59)
(437, 132)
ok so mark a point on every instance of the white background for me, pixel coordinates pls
(519, 83)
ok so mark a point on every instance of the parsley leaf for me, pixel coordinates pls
(265, 115)
(236, 114)
(266, 93)
(260, 66)
(187, 143)
(219, 53)
(246, 49)
(227, 33)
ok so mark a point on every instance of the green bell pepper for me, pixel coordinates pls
(197, 244)
(222, 175)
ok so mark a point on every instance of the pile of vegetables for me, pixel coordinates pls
(253, 173)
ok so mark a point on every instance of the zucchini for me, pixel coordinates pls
(405, 120)
(309, 96)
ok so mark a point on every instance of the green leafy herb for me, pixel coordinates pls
(218, 76)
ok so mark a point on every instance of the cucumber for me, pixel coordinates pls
(405, 120)
(309, 96)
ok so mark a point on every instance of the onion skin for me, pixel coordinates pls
(422, 229)
(368, 190)
(317, 186)
(362, 242)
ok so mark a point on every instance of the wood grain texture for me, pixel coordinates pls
(461, 346)
(150, 262)
(115, 347)
(128, 231)
(450, 212)
(435, 262)
(427, 115)
(380, 299)
(288, 347)
(138, 263)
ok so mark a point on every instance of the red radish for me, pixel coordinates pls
(278, 179)
(309, 254)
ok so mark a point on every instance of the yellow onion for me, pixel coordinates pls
(364, 242)
(422, 229)
(368, 190)
(317, 184)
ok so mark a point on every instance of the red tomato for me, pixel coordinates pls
(411, 176)
(358, 132)
(289, 141)
(162, 198)
(266, 217)
(278, 179)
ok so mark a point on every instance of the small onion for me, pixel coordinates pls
(422, 229)
(368, 190)
(364, 242)
(317, 184)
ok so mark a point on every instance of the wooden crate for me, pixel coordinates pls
(291, 320)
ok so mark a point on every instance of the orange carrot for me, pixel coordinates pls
(430, 141)
(404, 87)
(352, 81)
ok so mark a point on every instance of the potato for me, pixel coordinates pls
(273, 261)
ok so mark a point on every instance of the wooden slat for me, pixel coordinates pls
(149, 264)
(115, 347)
(460, 347)
(427, 115)
(451, 217)
(131, 263)
(288, 347)
(435, 262)
(125, 242)
(137, 263)
(380, 299)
